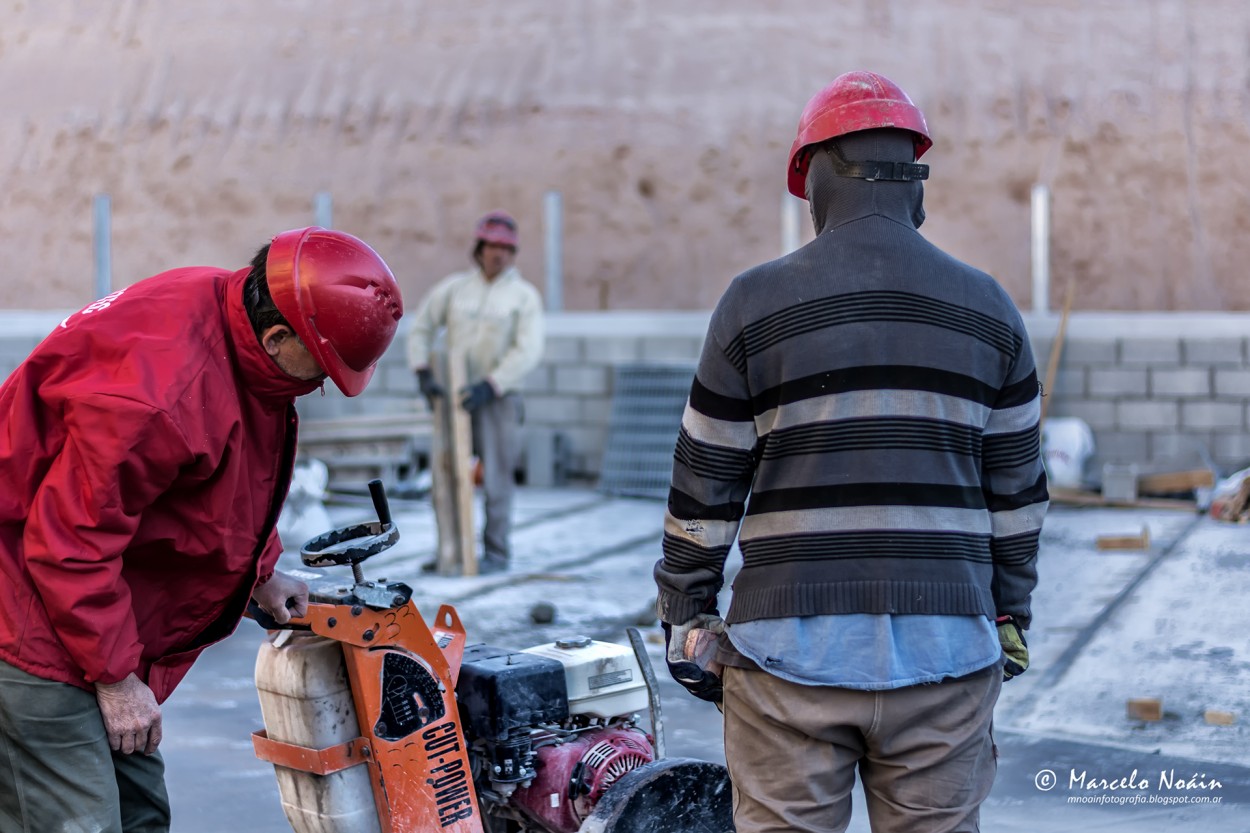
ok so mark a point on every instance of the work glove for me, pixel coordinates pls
(430, 389)
(682, 665)
(475, 396)
(1015, 649)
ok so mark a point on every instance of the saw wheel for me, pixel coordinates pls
(673, 795)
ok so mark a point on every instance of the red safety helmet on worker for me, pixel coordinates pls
(339, 296)
(857, 101)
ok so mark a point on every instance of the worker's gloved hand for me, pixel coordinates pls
(475, 396)
(1015, 649)
(430, 389)
(282, 597)
(132, 718)
(699, 680)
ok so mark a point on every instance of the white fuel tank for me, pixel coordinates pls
(603, 679)
(306, 700)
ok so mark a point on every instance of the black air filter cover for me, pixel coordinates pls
(500, 691)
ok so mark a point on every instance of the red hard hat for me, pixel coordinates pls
(339, 296)
(497, 227)
(854, 101)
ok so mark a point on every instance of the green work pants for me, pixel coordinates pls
(57, 772)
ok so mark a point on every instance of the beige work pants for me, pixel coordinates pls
(924, 753)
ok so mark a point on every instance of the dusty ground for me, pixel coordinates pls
(666, 126)
(1100, 636)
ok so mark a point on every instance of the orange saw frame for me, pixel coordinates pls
(403, 677)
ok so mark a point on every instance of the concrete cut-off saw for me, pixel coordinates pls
(377, 722)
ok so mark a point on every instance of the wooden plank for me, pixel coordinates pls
(1056, 349)
(369, 422)
(413, 431)
(452, 451)
(1172, 482)
(1125, 542)
(1076, 497)
(443, 490)
(1145, 708)
(365, 446)
(460, 428)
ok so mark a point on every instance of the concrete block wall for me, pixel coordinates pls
(570, 393)
(20, 332)
(1153, 387)
(1162, 388)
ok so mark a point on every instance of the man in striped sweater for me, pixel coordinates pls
(878, 401)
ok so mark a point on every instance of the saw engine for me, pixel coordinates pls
(551, 729)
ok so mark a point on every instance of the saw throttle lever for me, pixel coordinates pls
(380, 504)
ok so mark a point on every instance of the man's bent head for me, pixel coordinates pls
(334, 306)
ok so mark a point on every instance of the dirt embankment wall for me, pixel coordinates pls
(666, 126)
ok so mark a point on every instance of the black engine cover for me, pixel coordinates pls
(500, 690)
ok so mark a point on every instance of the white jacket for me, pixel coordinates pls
(499, 324)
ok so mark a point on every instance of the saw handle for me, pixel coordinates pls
(257, 613)
(378, 492)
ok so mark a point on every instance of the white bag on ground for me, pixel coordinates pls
(1067, 443)
(304, 514)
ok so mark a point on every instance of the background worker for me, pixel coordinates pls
(878, 400)
(146, 447)
(496, 316)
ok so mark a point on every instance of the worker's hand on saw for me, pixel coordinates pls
(1015, 649)
(132, 718)
(475, 396)
(282, 597)
(430, 389)
(684, 662)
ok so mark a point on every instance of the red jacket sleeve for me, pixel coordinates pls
(269, 558)
(118, 457)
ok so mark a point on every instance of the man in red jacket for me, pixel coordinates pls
(146, 448)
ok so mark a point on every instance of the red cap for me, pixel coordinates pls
(497, 227)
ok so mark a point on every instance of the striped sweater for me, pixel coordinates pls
(878, 401)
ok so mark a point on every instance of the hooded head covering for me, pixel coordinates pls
(834, 200)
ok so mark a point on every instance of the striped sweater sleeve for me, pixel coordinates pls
(713, 466)
(1014, 482)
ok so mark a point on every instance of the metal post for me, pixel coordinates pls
(102, 210)
(323, 209)
(791, 220)
(553, 229)
(1041, 248)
